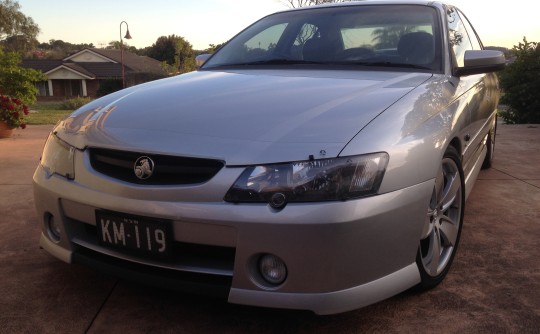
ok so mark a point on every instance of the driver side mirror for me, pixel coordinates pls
(201, 59)
(481, 61)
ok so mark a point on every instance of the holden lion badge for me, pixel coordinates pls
(144, 167)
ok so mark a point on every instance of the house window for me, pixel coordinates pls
(43, 88)
(73, 88)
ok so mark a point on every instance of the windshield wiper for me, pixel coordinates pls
(275, 61)
(390, 64)
(285, 61)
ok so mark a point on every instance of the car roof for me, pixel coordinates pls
(375, 2)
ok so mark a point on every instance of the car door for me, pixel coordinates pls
(475, 92)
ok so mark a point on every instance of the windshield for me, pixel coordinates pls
(405, 36)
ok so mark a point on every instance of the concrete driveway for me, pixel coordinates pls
(493, 287)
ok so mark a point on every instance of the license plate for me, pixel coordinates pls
(140, 234)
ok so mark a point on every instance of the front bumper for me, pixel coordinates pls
(339, 255)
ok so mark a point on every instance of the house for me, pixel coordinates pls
(82, 73)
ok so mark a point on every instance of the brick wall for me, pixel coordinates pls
(92, 87)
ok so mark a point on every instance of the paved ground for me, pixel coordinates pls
(494, 285)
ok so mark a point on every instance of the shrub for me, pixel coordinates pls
(136, 78)
(108, 86)
(13, 112)
(75, 103)
(17, 81)
(521, 83)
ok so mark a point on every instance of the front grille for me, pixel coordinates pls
(168, 170)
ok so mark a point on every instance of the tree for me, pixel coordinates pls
(16, 27)
(17, 81)
(162, 49)
(304, 3)
(115, 45)
(521, 83)
(19, 44)
(175, 52)
(212, 48)
(58, 49)
(389, 37)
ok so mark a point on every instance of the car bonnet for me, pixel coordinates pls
(241, 117)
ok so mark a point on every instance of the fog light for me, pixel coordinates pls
(272, 269)
(53, 227)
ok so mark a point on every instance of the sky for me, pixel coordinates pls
(204, 22)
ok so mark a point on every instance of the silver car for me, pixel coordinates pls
(319, 160)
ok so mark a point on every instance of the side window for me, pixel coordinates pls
(458, 37)
(475, 40)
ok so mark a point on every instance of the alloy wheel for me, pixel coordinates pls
(443, 221)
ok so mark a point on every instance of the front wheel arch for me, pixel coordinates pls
(443, 223)
(490, 145)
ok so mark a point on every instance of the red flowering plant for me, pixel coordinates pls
(12, 112)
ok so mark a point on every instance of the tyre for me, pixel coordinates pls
(490, 145)
(444, 220)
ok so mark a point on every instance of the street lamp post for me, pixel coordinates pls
(127, 36)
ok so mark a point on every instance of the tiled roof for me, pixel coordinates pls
(132, 63)
(79, 68)
(101, 70)
(45, 65)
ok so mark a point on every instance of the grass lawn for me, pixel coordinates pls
(47, 113)
(47, 116)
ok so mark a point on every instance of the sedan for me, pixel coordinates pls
(319, 160)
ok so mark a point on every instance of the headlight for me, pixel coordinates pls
(57, 157)
(310, 181)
